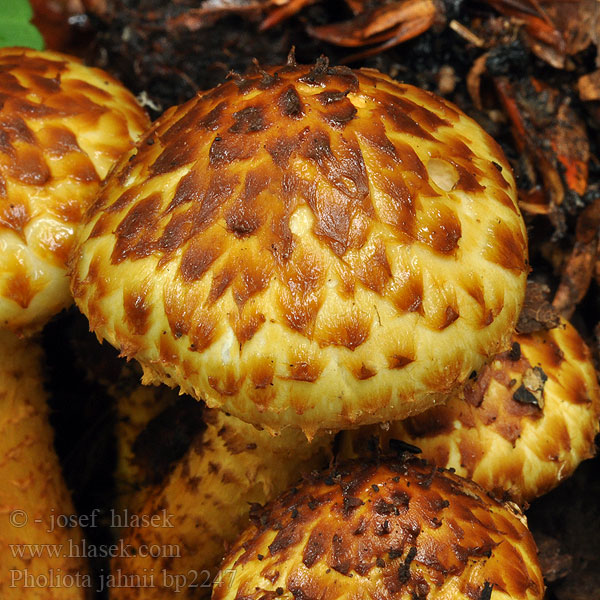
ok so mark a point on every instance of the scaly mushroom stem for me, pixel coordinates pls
(39, 547)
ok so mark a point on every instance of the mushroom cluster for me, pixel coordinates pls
(332, 264)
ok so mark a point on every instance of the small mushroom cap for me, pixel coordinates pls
(520, 428)
(62, 127)
(308, 246)
(397, 529)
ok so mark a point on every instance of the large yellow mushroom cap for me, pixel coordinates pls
(308, 246)
(62, 127)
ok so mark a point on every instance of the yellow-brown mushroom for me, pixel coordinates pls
(307, 246)
(62, 127)
(520, 428)
(397, 528)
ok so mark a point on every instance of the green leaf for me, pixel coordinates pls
(15, 26)
(16, 10)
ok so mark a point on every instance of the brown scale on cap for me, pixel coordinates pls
(520, 427)
(397, 528)
(62, 126)
(312, 209)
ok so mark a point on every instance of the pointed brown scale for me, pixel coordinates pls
(333, 220)
(214, 118)
(226, 150)
(220, 283)
(9, 83)
(137, 312)
(302, 296)
(29, 166)
(350, 331)
(402, 121)
(375, 136)
(436, 104)
(180, 122)
(397, 206)
(317, 148)
(174, 156)
(352, 177)
(397, 361)
(59, 140)
(179, 310)
(249, 120)
(15, 129)
(450, 315)
(300, 313)
(203, 330)
(281, 240)
(136, 226)
(229, 385)
(177, 231)
(283, 147)
(467, 179)
(302, 207)
(374, 270)
(189, 189)
(206, 210)
(362, 371)
(18, 288)
(15, 216)
(124, 200)
(167, 350)
(339, 112)
(262, 374)
(344, 169)
(198, 257)
(290, 104)
(302, 369)
(413, 165)
(79, 168)
(345, 279)
(441, 230)
(252, 281)
(407, 295)
(422, 115)
(507, 248)
(473, 285)
(244, 216)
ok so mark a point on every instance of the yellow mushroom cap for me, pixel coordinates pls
(62, 127)
(520, 428)
(398, 529)
(308, 246)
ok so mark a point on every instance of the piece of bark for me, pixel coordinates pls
(537, 312)
(579, 269)
(555, 562)
(588, 86)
